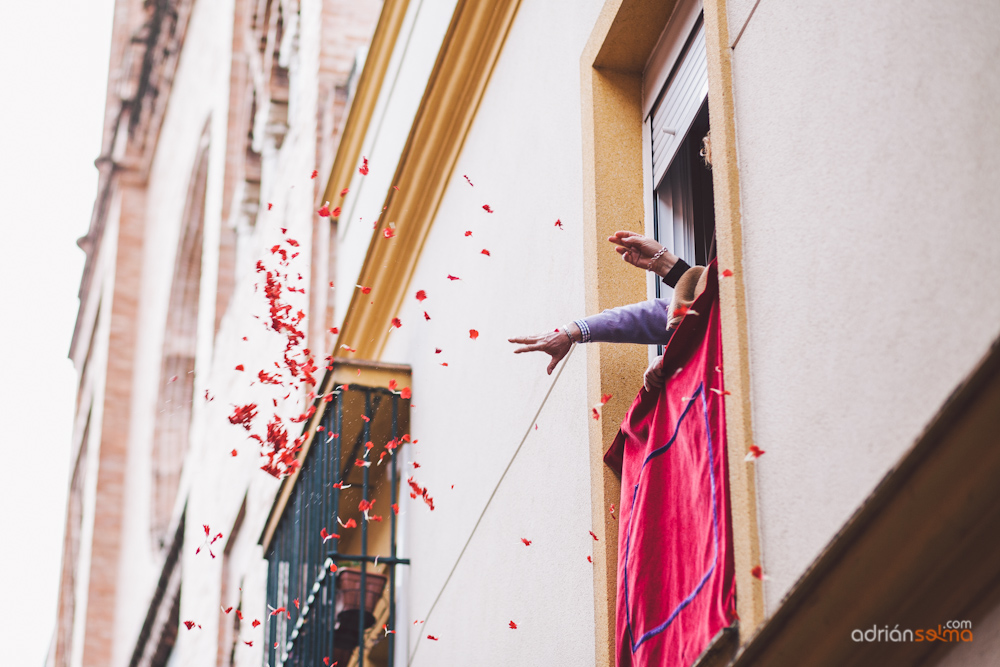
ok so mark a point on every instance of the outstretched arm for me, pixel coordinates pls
(643, 323)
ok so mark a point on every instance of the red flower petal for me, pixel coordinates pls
(526, 541)
(405, 393)
(426, 316)
(468, 233)
(605, 398)
(467, 180)
(363, 169)
(396, 322)
(451, 277)
(473, 334)
(726, 273)
(594, 536)
(343, 193)
(513, 625)
(757, 572)
(559, 224)
(486, 207)
(314, 174)
(240, 367)
(485, 252)
(269, 206)
(421, 295)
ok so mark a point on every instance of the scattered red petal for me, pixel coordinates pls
(343, 193)
(467, 180)
(726, 273)
(513, 625)
(277, 611)
(426, 316)
(594, 536)
(395, 508)
(239, 614)
(405, 393)
(396, 188)
(437, 350)
(432, 638)
(392, 385)
(757, 572)
(388, 233)
(559, 224)
(445, 364)
(468, 233)
(255, 623)
(227, 610)
(596, 414)
(365, 290)
(605, 398)
(190, 624)
(240, 367)
(486, 207)
(324, 212)
(396, 322)
(250, 643)
(314, 174)
(451, 277)
(526, 541)
(421, 295)
(754, 453)
(473, 334)
(485, 252)
(334, 330)
(363, 169)
(173, 378)
(589, 559)
(269, 206)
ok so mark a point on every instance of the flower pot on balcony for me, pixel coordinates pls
(348, 598)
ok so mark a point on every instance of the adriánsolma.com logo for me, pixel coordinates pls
(952, 631)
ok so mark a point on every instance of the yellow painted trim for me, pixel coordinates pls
(612, 64)
(365, 97)
(732, 299)
(468, 54)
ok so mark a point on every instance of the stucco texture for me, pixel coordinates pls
(523, 153)
(868, 156)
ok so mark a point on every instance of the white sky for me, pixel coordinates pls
(54, 56)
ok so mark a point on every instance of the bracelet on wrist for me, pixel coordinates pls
(652, 260)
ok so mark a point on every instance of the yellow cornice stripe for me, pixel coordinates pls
(468, 54)
(366, 95)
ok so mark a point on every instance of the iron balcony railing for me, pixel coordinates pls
(328, 613)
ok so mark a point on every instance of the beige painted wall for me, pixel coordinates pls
(869, 154)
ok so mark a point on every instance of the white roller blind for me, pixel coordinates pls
(673, 114)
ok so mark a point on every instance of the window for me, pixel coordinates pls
(684, 205)
(331, 564)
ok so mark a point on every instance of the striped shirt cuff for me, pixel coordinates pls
(584, 330)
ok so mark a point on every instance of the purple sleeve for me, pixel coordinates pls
(643, 323)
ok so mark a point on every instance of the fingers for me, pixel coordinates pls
(619, 236)
(524, 340)
(529, 348)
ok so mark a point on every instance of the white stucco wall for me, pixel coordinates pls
(868, 154)
(523, 154)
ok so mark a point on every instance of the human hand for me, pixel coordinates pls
(654, 377)
(638, 250)
(555, 344)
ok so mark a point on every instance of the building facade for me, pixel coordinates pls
(433, 177)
